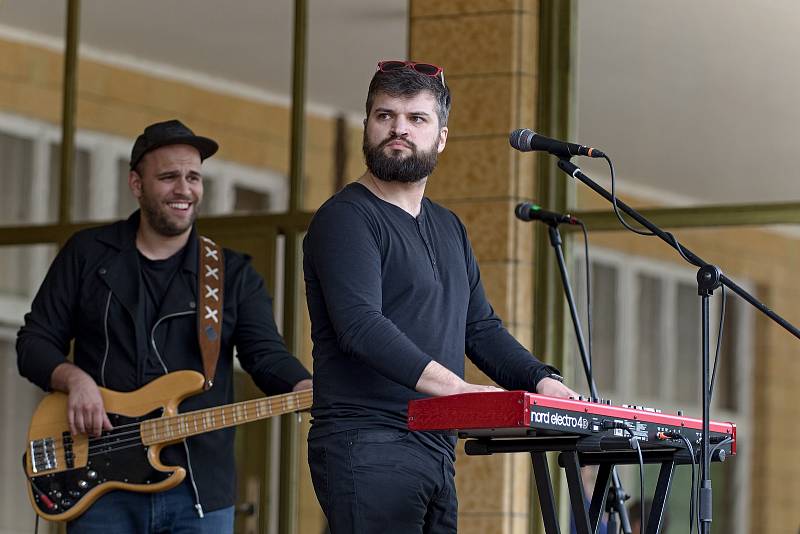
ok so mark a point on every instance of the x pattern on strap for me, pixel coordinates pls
(212, 272)
(211, 252)
(210, 321)
(211, 314)
(212, 292)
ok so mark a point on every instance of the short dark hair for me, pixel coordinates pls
(408, 83)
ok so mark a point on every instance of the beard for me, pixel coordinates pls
(159, 219)
(408, 169)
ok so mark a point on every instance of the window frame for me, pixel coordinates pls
(628, 267)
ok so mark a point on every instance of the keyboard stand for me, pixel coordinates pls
(574, 452)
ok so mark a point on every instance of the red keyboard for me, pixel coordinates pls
(519, 413)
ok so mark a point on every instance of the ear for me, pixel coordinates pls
(442, 139)
(135, 183)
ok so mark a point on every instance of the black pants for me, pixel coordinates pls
(383, 481)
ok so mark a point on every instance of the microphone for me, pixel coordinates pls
(528, 211)
(526, 140)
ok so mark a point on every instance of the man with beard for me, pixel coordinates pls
(396, 300)
(127, 295)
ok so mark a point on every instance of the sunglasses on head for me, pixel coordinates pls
(428, 69)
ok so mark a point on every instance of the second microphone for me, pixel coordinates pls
(528, 211)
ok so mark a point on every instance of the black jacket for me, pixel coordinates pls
(91, 295)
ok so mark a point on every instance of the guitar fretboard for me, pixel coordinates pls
(177, 427)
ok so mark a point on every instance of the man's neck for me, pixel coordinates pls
(155, 246)
(406, 196)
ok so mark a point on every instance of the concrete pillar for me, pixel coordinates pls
(488, 49)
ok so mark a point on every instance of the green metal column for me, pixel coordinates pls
(68, 110)
(554, 119)
(288, 512)
(298, 132)
(554, 191)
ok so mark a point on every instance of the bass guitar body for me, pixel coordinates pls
(67, 473)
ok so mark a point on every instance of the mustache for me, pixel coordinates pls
(393, 138)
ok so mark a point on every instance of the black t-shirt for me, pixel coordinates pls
(156, 277)
(387, 293)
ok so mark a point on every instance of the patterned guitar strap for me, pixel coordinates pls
(210, 281)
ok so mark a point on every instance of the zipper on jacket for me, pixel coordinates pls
(108, 343)
(153, 335)
(197, 505)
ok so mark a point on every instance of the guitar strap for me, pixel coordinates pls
(210, 283)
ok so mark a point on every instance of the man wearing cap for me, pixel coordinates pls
(396, 300)
(126, 295)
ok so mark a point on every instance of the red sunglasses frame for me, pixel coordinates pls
(412, 65)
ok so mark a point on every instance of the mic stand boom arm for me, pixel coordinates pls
(575, 171)
(709, 277)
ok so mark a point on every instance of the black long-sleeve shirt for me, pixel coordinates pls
(388, 293)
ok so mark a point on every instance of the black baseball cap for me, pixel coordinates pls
(172, 132)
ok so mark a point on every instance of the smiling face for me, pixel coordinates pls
(402, 137)
(169, 187)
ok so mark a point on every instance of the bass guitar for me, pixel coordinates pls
(67, 473)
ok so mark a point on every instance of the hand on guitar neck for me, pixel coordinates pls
(303, 384)
(85, 410)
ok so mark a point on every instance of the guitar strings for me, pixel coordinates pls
(270, 400)
(132, 436)
(220, 411)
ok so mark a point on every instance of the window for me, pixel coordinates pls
(647, 351)
(16, 162)
(688, 338)
(81, 184)
(249, 201)
(604, 313)
(126, 203)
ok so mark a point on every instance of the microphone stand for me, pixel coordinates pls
(615, 502)
(709, 278)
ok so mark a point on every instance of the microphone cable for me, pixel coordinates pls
(631, 228)
(694, 491)
(634, 442)
(614, 202)
(679, 248)
(719, 343)
(641, 483)
(697, 497)
(587, 268)
(647, 233)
